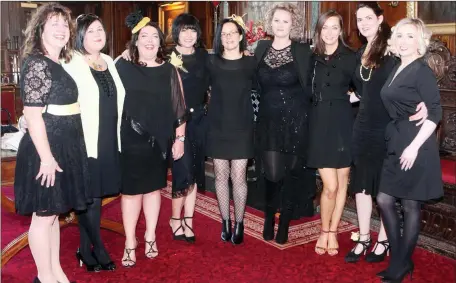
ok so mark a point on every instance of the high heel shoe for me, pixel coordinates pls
(318, 249)
(128, 261)
(190, 239)
(268, 226)
(226, 230)
(373, 257)
(399, 277)
(332, 251)
(238, 235)
(151, 251)
(353, 257)
(177, 237)
(90, 267)
(284, 225)
(110, 266)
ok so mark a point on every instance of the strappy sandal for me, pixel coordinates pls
(177, 237)
(128, 260)
(333, 251)
(151, 250)
(190, 239)
(318, 248)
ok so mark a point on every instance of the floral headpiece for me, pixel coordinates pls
(238, 20)
(136, 21)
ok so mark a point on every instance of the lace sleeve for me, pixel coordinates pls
(177, 98)
(37, 82)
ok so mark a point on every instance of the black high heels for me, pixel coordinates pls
(373, 257)
(90, 267)
(110, 266)
(353, 257)
(36, 280)
(226, 230)
(268, 227)
(238, 235)
(399, 277)
(190, 239)
(180, 237)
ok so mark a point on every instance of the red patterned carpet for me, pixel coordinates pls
(210, 260)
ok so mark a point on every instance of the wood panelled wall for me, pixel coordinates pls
(113, 13)
(392, 15)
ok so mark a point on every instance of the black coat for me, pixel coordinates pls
(301, 57)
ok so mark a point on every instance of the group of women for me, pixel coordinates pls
(97, 128)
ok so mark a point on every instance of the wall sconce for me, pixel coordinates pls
(393, 4)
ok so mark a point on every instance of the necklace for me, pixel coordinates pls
(95, 65)
(361, 73)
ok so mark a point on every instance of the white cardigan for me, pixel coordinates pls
(89, 98)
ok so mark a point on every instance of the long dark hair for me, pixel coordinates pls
(319, 44)
(82, 24)
(218, 47)
(133, 49)
(378, 47)
(33, 44)
(186, 21)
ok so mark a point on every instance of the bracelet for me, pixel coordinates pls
(48, 164)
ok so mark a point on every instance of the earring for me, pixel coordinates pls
(64, 47)
(379, 28)
(359, 34)
(419, 52)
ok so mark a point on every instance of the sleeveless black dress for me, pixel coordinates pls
(105, 175)
(368, 144)
(44, 82)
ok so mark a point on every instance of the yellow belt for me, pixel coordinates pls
(62, 110)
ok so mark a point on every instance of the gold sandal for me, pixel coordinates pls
(335, 251)
(318, 248)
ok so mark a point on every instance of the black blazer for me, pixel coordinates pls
(301, 53)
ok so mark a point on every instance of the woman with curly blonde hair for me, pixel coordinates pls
(52, 167)
(282, 122)
(411, 169)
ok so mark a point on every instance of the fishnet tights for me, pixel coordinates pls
(236, 171)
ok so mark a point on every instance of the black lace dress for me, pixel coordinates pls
(283, 110)
(45, 82)
(105, 175)
(154, 106)
(190, 168)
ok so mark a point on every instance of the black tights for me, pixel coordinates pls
(236, 169)
(90, 234)
(402, 247)
(280, 168)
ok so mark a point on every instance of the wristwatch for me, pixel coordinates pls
(180, 138)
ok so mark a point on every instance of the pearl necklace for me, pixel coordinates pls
(361, 72)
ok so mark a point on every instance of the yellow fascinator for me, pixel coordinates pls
(176, 60)
(238, 20)
(140, 25)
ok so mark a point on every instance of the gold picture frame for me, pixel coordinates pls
(166, 14)
(440, 28)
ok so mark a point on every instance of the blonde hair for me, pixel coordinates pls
(297, 20)
(423, 37)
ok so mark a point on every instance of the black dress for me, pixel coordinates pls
(154, 105)
(331, 118)
(282, 120)
(45, 82)
(105, 175)
(368, 145)
(230, 114)
(190, 168)
(415, 83)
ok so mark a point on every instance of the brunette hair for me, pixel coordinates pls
(186, 21)
(33, 43)
(319, 45)
(297, 20)
(218, 47)
(133, 49)
(83, 22)
(379, 45)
